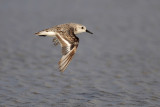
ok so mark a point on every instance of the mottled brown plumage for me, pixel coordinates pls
(65, 34)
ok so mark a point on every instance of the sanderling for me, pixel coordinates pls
(65, 34)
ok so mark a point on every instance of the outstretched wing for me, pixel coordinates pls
(69, 44)
(67, 57)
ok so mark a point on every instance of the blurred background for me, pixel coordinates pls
(118, 66)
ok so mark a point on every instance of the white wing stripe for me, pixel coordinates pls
(68, 44)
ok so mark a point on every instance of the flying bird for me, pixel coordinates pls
(65, 35)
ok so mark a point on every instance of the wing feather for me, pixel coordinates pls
(66, 59)
(55, 41)
(69, 43)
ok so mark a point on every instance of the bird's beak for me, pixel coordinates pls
(89, 31)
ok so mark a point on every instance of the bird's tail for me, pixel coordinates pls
(45, 33)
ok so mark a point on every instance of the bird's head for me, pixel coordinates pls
(80, 29)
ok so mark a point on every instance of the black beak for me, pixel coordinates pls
(89, 31)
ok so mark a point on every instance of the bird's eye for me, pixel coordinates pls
(82, 27)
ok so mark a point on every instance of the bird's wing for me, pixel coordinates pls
(66, 58)
(55, 41)
(68, 49)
